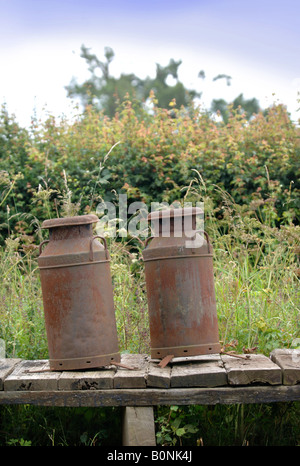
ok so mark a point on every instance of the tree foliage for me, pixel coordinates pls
(105, 92)
(249, 107)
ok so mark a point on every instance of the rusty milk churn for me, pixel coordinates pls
(180, 286)
(77, 295)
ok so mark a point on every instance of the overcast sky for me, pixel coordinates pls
(256, 42)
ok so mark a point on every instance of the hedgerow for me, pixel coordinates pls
(150, 156)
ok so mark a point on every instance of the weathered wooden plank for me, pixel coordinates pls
(136, 378)
(161, 377)
(200, 374)
(6, 367)
(198, 358)
(152, 397)
(26, 376)
(87, 380)
(158, 377)
(256, 369)
(138, 426)
(289, 361)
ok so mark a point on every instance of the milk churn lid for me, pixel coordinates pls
(70, 221)
(179, 212)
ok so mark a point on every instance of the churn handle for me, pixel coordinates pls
(147, 240)
(40, 246)
(91, 247)
(207, 239)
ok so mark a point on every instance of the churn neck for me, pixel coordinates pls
(70, 227)
(173, 222)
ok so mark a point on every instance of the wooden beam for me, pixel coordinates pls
(127, 378)
(158, 377)
(257, 369)
(198, 374)
(138, 427)
(87, 380)
(32, 375)
(154, 397)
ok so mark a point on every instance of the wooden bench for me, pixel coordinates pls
(200, 380)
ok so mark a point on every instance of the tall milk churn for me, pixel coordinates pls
(77, 295)
(180, 286)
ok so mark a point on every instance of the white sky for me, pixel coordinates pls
(257, 43)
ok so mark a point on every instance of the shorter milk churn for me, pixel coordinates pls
(180, 286)
(77, 295)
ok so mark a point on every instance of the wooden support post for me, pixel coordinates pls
(138, 426)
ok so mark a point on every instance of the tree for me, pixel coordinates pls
(249, 107)
(165, 93)
(105, 92)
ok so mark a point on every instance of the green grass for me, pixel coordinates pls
(21, 308)
(275, 424)
(28, 425)
(257, 285)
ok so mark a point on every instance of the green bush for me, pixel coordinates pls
(149, 157)
(235, 425)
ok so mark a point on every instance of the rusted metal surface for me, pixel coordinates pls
(77, 296)
(165, 361)
(180, 287)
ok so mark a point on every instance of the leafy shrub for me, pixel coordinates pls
(249, 425)
(152, 159)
